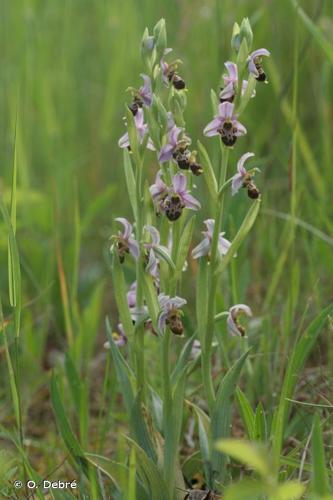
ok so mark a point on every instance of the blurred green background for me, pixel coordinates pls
(64, 69)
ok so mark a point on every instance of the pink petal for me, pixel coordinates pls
(124, 141)
(190, 202)
(232, 70)
(202, 249)
(241, 161)
(179, 183)
(226, 110)
(237, 183)
(212, 128)
(127, 227)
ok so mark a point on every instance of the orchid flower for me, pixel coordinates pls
(119, 337)
(239, 178)
(136, 312)
(234, 327)
(226, 125)
(230, 82)
(125, 240)
(170, 314)
(254, 63)
(142, 130)
(145, 92)
(165, 66)
(158, 190)
(205, 246)
(169, 149)
(169, 74)
(179, 198)
(153, 261)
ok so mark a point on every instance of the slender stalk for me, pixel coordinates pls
(213, 281)
(139, 332)
(169, 465)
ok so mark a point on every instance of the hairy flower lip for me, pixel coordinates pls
(225, 116)
(168, 305)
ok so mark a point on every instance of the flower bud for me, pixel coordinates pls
(160, 38)
(235, 37)
(246, 32)
(147, 48)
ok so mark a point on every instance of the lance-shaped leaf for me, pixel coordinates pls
(130, 181)
(120, 291)
(123, 371)
(246, 225)
(64, 426)
(204, 440)
(246, 413)
(319, 474)
(221, 414)
(149, 474)
(164, 254)
(202, 290)
(184, 245)
(151, 299)
(209, 174)
(182, 360)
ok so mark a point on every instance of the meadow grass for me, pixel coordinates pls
(64, 70)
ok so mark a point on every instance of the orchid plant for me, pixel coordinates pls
(164, 247)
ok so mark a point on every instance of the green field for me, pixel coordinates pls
(67, 411)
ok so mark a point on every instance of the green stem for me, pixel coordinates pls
(213, 280)
(139, 332)
(169, 463)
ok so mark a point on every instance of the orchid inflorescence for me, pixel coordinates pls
(159, 240)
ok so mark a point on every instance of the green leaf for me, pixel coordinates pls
(246, 453)
(149, 473)
(260, 423)
(164, 254)
(79, 391)
(124, 372)
(150, 295)
(246, 490)
(300, 353)
(209, 174)
(246, 413)
(221, 414)
(184, 245)
(139, 427)
(204, 441)
(14, 270)
(246, 225)
(120, 293)
(292, 490)
(63, 424)
(319, 481)
(182, 360)
(130, 180)
(105, 465)
(202, 291)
